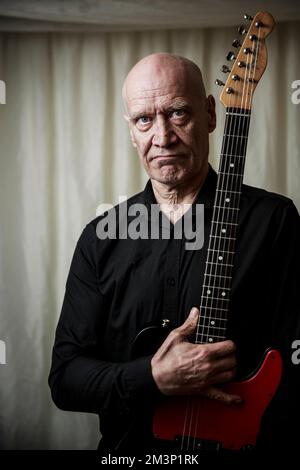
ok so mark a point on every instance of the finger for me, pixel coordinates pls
(215, 393)
(188, 327)
(224, 364)
(221, 349)
(222, 377)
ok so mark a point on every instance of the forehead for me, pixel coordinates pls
(158, 93)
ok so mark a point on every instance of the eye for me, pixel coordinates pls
(179, 114)
(143, 120)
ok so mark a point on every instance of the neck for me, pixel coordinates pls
(179, 193)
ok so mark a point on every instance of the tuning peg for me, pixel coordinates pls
(247, 50)
(229, 90)
(258, 24)
(248, 17)
(230, 56)
(225, 69)
(242, 30)
(236, 43)
(252, 37)
(219, 82)
(235, 77)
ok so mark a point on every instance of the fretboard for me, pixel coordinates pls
(216, 289)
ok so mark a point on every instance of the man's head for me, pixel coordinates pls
(169, 117)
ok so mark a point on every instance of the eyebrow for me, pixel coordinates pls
(173, 107)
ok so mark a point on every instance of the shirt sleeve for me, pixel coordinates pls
(284, 306)
(80, 380)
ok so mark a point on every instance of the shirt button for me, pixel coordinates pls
(171, 281)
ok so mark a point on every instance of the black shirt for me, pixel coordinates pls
(117, 287)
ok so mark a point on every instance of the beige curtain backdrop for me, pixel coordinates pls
(64, 150)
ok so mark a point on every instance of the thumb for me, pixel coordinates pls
(190, 323)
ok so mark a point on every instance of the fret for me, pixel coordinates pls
(215, 298)
(221, 252)
(219, 275)
(238, 136)
(238, 114)
(224, 223)
(222, 237)
(210, 336)
(238, 126)
(218, 283)
(227, 238)
(223, 232)
(232, 155)
(219, 255)
(231, 166)
(228, 191)
(213, 287)
(231, 174)
(230, 145)
(216, 318)
(211, 327)
(221, 264)
(222, 246)
(210, 307)
(228, 207)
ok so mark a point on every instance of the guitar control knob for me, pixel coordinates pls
(225, 69)
(242, 30)
(236, 43)
(219, 82)
(230, 56)
(248, 17)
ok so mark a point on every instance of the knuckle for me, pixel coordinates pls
(204, 354)
(232, 345)
(175, 334)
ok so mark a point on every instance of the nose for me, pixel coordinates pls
(163, 135)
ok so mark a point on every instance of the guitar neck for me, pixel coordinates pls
(215, 298)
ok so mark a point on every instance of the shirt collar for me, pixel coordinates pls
(205, 195)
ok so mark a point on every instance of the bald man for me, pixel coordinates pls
(117, 287)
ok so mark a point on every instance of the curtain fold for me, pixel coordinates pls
(64, 150)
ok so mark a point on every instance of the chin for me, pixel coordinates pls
(170, 177)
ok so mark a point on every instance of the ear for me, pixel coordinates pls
(211, 110)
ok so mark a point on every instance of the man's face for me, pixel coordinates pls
(169, 123)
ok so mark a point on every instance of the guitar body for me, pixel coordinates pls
(199, 420)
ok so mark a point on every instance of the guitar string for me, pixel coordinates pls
(233, 123)
(205, 301)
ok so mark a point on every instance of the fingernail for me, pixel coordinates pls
(194, 312)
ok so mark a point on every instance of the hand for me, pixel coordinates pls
(183, 368)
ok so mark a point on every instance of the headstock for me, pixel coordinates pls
(249, 64)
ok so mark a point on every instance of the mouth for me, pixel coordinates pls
(166, 157)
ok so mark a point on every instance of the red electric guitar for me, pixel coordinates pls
(193, 421)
